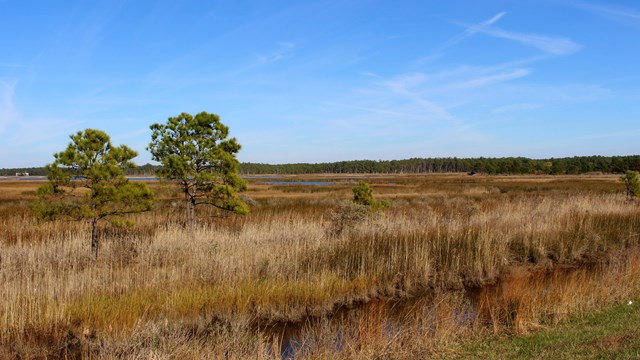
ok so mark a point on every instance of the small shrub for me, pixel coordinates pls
(631, 181)
(363, 195)
(380, 204)
(345, 217)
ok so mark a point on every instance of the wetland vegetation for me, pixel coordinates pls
(455, 257)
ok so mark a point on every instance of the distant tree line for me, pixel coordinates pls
(33, 171)
(510, 165)
(494, 166)
(147, 169)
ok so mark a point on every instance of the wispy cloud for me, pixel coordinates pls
(403, 86)
(548, 44)
(487, 80)
(472, 30)
(551, 45)
(433, 96)
(469, 32)
(453, 81)
(615, 11)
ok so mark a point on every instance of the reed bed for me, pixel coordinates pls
(458, 255)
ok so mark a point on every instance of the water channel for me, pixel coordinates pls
(507, 303)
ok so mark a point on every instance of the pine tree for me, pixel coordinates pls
(87, 182)
(197, 156)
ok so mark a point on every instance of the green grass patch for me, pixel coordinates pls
(613, 333)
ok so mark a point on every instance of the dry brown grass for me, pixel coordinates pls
(453, 255)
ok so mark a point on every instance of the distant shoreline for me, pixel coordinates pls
(44, 178)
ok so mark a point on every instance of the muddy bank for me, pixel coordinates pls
(522, 299)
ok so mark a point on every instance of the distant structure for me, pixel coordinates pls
(22, 174)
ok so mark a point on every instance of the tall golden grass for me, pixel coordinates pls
(453, 255)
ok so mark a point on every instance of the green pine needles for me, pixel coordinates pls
(631, 180)
(363, 195)
(197, 155)
(87, 182)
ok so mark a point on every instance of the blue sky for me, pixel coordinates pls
(317, 81)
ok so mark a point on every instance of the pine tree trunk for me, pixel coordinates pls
(191, 214)
(94, 238)
(191, 218)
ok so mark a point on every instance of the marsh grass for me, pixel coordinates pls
(479, 251)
